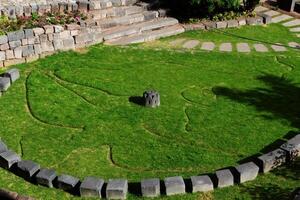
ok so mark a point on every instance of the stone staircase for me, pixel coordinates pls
(129, 23)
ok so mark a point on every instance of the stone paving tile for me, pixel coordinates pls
(296, 29)
(294, 45)
(191, 44)
(272, 13)
(260, 48)
(208, 46)
(294, 22)
(226, 47)
(243, 47)
(298, 35)
(176, 42)
(281, 18)
(278, 48)
(260, 9)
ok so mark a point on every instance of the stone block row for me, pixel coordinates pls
(7, 79)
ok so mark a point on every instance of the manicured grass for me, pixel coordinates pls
(74, 112)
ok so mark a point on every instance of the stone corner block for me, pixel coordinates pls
(117, 189)
(202, 184)
(27, 168)
(150, 187)
(247, 171)
(13, 74)
(46, 177)
(292, 147)
(3, 147)
(225, 178)
(8, 158)
(91, 187)
(272, 160)
(4, 83)
(174, 185)
(67, 182)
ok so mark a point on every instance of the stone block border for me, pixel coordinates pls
(118, 188)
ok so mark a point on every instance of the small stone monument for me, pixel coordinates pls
(151, 98)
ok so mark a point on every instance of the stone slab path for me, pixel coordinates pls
(260, 48)
(295, 22)
(191, 44)
(278, 48)
(243, 47)
(281, 18)
(272, 13)
(226, 47)
(208, 46)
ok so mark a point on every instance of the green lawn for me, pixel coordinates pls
(73, 112)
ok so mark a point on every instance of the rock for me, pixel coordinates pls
(232, 23)
(3, 39)
(292, 146)
(117, 189)
(48, 29)
(14, 62)
(8, 158)
(4, 83)
(281, 18)
(260, 48)
(221, 24)
(247, 171)
(18, 52)
(190, 44)
(16, 35)
(15, 44)
(28, 33)
(28, 50)
(226, 47)
(4, 47)
(46, 177)
(243, 47)
(27, 168)
(150, 187)
(202, 183)
(272, 160)
(294, 22)
(225, 178)
(272, 13)
(3, 147)
(69, 43)
(278, 48)
(152, 99)
(208, 46)
(91, 187)
(174, 185)
(38, 31)
(2, 55)
(67, 182)
(242, 22)
(13, 74)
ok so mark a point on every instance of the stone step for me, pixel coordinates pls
(122, 31)
(148, 36)
(115, 12)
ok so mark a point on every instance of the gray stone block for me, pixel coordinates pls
(232, 23)
(4, 83)
(150, 187)
(3, 146)
(117, 189)
(8, 158)
(266, 18)
(91, 187)
(45, 177)
(3, 39)
(202, 183)
(174, 185)
(221, 24)
(225, 178)
(69, 43)
(292, 146)
(27, 11)
(15, 44)
(152, 99)
(27, 168)
(54, 7)
(67, 182)
(2, 55)
(251, 21)
(16, 35)
(28, 50)
(272, 160)
(13, 74)
(247, 171)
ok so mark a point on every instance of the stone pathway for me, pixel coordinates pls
(260, 48)
(226, 47)
(191, 44)
(281, 18)
(243, 47)
(208, 46)
(278, 48)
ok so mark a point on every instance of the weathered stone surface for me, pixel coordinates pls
(272, 13)
(226, 47)
(3, 39)
(272, 160)
(294, 22)
(296, 29)
(208, 46)
(8, 158)
(266, 18)
(13, 74)
(278, 48)
(16, 35)
(4, 83)
(150, 187)
(68, 43)
(38, 31)
(202, 183)
(9, 54)
(45, 177)
(28, 33)
(174, 185)
(292, 146)
(281, 18)
(260, 9)
(251, 21)
(27, 168)
(15, 44)
(28, 50)
(232, 23)
(14, 62)
(210, 25)
(18, 52)
(242, 22)
(294, 45)
(3, 147)
(117, 189)
(225, 178)
(2, 55)
(67, 182)
(47, 46)
(247, 171)
(151, 98)
(4, 47)
(221, 24)
(190, 44)
(260, 48)
(48, 29)
(177, 42)
(91, 187)
(243, 47)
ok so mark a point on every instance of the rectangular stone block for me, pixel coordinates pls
(272, 160)
(38, 31)
(27, 11)
(117, 189)
(3, 39)
(13, 74)
(202, 184)
(18, 52)
(24, 42)
(27, 168)
(174, 185)
(46, 177)
(54, 7)
(221, 24)
(15, 44)
(8, 158)
(32, 58)
(9, 54)
(43, 38)
(247, 171)
(292, 146)
(47, 46)
(37, 49)
(28, 33)
(4, 84)
(4, 47)
(91, 187)
(14, 62)
(28, 50)
(266, 18)
(150, 187)
(48, 29)
(232, 23)
(16, 35)
(67, 182)
(3, 147)
(2, 55)
(225, 178)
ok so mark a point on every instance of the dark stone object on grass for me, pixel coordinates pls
(202, 183)
(67, 182)
(46, 177)
(152, 99)
(8, 158)
(13, 74)
(247, 171)
(91, 187)
(117, 189)
(292, 146)
(272, 160)
(150, 187)
(225, 178)
(174, 185)
(27, 168)
(4, 83)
